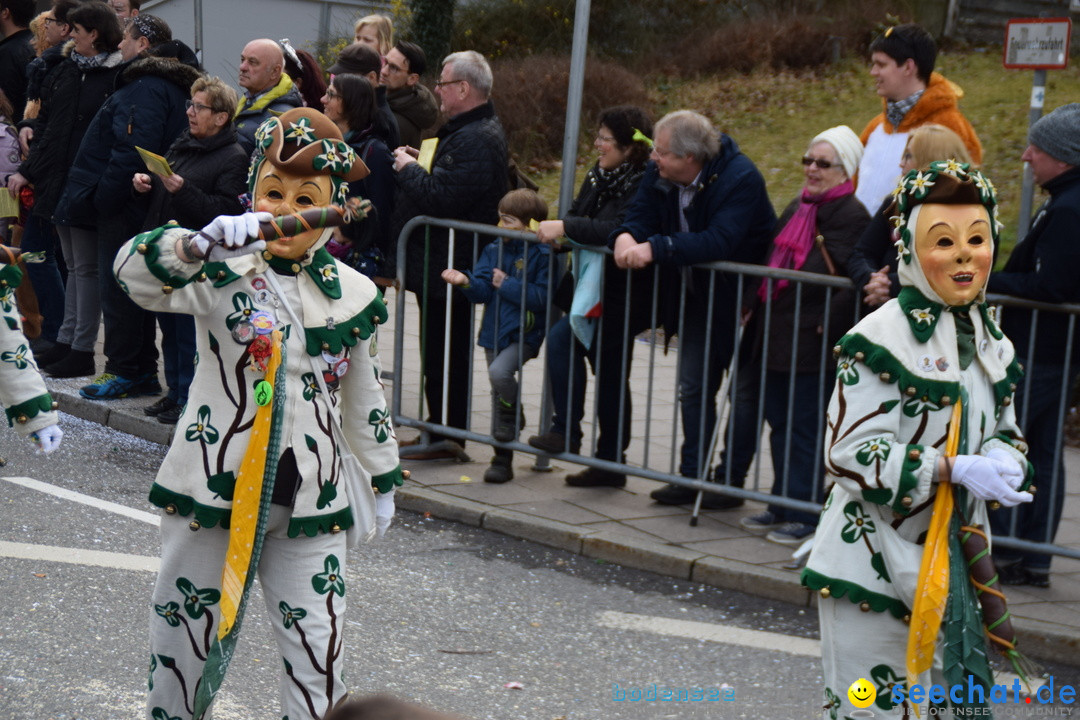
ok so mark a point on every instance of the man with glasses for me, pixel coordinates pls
(701, 200)
(412, 103)
(902, 65)
(467, 179)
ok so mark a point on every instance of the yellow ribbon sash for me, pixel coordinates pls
(245, 505)
(932, 591)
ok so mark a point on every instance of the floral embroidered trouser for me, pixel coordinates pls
(868, 645)
(302, 580)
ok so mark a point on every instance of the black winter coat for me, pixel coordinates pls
(215, 175)
(371, 238)
(70, 98)
(840, 222)
(1045, 267)
(468, 179)
(591, 220)
(147, 110)
(874, 251)
(16, 52)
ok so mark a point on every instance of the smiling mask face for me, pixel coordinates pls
(281, 192)
(953, 243)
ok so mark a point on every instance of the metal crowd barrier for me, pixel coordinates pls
(655, 432)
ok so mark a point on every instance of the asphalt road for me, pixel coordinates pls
(442, 614)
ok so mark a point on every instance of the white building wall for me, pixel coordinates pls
(228, 25)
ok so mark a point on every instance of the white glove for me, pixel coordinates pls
(227, 236)
(47, 439)
(384, 511)
(1015, 473)
(985, 478)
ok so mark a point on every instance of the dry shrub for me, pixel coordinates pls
(782, 40)
(530, 99)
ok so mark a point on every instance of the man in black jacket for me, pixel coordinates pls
(15, 51)
(1044, 267)
(468, 177)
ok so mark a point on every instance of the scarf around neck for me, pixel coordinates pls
(794, 241)
(92, 61)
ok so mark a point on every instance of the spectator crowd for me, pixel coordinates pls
(109, 127)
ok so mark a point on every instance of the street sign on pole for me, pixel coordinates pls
(1038, 44)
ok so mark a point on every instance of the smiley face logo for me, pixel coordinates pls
(861, 693)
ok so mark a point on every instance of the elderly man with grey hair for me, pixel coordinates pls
(701, 200)
(268, 89)
(468, 177)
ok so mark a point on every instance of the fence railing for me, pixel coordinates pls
(812, 306)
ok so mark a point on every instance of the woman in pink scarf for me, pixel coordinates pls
(816, 233)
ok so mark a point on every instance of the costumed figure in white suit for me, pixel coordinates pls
(284, 455)
(920, 416)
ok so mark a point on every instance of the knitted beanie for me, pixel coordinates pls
(1058, 134)
(847, 145)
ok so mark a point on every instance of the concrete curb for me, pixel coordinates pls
(1036, 638)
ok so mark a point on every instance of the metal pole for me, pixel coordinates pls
(573, 104)
(199, 32)
(1038, 94)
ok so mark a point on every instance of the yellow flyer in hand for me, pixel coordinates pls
(9, 206)
(427, 153)
(154, 162)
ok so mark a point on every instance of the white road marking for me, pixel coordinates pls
(757, 639)
(78, 556)
(73, 496)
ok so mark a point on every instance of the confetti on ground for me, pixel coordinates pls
(466, 478)
(515, 685)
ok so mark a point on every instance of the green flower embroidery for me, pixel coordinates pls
(832, 703)
(871, 450)
(243, 308)
(169, 612)
(159, 713)
(846, 371)
(196, 600)
(920, 184)
(300, 131)
(923, 316)
(328, 273)
(16, 357)
(7, 300)
(858, 522)
(290, 615)
(330, 580)
(150, 675)
(918, 405)
(332, 158)
(380, 420)
(311, 386)
(201, 429)
(886, 679)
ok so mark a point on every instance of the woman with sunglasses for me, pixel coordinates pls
(816, 234)
(349, 102)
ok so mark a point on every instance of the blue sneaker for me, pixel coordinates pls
(113, 387)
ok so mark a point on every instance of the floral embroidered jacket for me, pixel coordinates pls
(235, 306)
(886, 428)
(27, 403)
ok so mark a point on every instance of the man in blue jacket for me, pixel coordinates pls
(1044, 267)
(701, 200)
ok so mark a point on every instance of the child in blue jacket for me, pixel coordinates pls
(511, 279)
